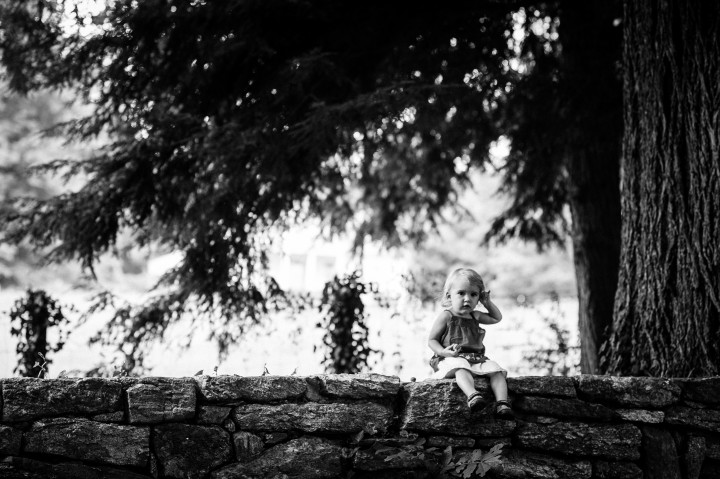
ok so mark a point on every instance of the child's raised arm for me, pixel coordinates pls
(493, 315)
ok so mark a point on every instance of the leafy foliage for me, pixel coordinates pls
(346, 335)
(473, 463)
(230, 121)
(30, 319)
(561, 356)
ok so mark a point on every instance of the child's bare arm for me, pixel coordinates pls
(493, 314)
(435, 336)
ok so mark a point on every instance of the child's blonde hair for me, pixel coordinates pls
(470, 274)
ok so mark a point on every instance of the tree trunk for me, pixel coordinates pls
(667, 320)
(591, 43)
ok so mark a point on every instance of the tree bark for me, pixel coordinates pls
(666, 319)
(591, 42)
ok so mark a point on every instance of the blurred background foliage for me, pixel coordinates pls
(211, 127)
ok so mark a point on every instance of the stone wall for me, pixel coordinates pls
(360, 426)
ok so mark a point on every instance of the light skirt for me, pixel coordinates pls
(448, 366)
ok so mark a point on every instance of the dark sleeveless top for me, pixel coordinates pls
(466, 333)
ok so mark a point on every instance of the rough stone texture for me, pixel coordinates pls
(528, 465)
(302, 458)
(703, 390)
(272, 438)
(314, 417)
(247, 446)
(79, 438)
(613, 442)
(710, 470)
(188, 451)
(213, 414)
(356, 423)
(616, 470)
(10, 439)
(237, 389)
(660, 453)
(117, 417)
(71, 470)
(31, 398)
(10, 471)
(705, 419)
(543, 386)
(381, 458)
(641, 415)
(439, 407)
(712, 450)
(229, 425)
(360, 386)
(694, 457)
(156, 400)
(394, 474)
(444, 441)
(565, 408)
(489, 442)
(629, 391)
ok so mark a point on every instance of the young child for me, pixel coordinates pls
(456, 338)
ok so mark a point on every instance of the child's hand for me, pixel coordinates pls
(484, 297)
(451, 351)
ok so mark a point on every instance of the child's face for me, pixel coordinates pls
(463, 296)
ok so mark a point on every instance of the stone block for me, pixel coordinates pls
(694, 456)
(384, 458)
(710, 470)
(71, 470)
(660, 454)
(564, 408)
(701, 390)
(705, 419)
(213, 414)
(272, 438)
(641, 415)
(314, 417)
(32, 398)
(616, 470)
(359, 386)
(156, 400)
(528, 465)
(439, 407)
(302, 458)
(233, 390)
(554, 386)
(87, 440)
(453, 441)
(247, 446)
(613, 442)
(10, 440)
(712, 450)
(116, 417)
(8, 471)
(489, 442)
(190, 451)
(629, 391)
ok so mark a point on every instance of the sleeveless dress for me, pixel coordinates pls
(466, 333)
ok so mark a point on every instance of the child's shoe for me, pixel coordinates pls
(475, 401)
(502, 410)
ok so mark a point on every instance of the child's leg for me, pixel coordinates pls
(498, 386)
(465, 381)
